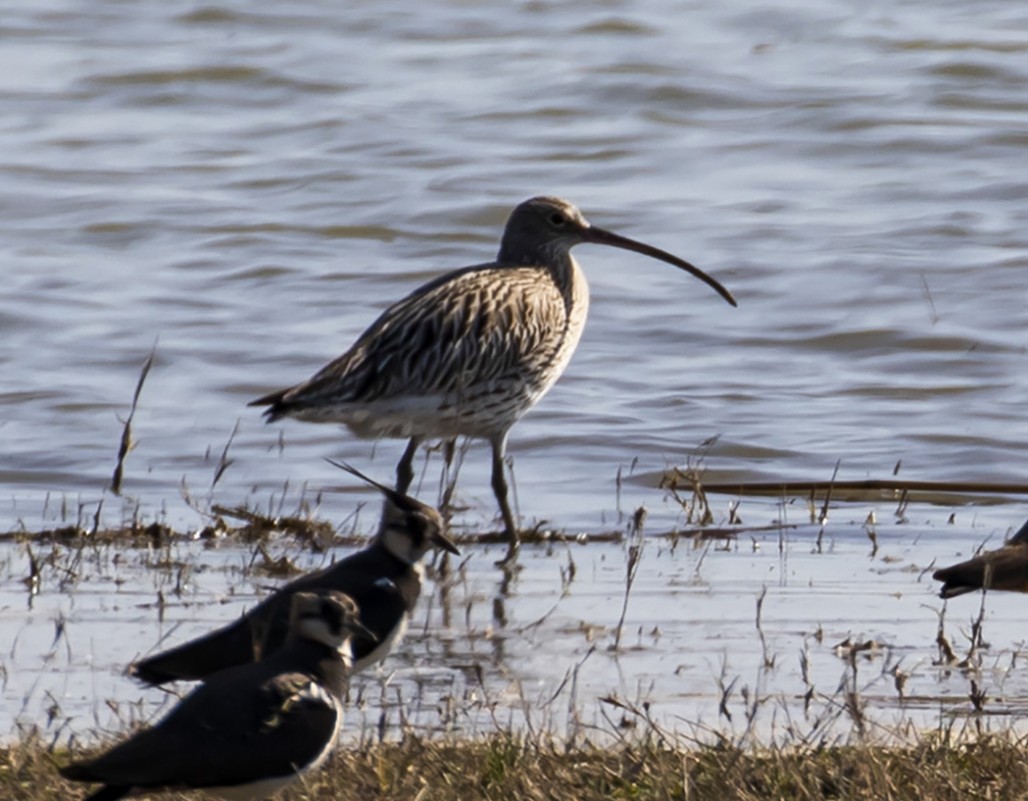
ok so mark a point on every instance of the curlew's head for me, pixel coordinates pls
(409, 528)
(328, 617)
(542, 231)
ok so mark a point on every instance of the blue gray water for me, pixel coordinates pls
(246, 187)
(539, 653)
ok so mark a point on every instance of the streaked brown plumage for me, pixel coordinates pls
(1004, 569)
(470, 352)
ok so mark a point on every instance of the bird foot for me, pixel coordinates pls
(511, 557)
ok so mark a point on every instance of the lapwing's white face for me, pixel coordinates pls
(410, 529)
(328, 618)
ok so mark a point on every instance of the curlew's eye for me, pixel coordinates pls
(558, 219)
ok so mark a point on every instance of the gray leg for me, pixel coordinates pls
(405, 469)
(500, 490)
(449, 479)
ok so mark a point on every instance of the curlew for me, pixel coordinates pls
(470, 352)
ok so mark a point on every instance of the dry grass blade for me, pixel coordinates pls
(509, 766)
(126, 433)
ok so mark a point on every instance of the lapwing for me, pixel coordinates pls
(471, 351)
(1004, 569)
(248, 731)
(384, 579)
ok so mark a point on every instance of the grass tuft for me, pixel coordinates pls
(509, 766)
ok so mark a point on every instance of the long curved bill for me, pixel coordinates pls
(600, 236)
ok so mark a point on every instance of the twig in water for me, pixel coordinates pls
(932, 314)
(699, 562)
(635, 547)
(901, 510)
(32, 580)
(769, 661)
(224, 462)
(726, 691)
(823, 517)
(973, 658)
(567, 574)
(862, 489)
(947, 656)
(96, 518)
(126, 444)
(854, 703)
(978, 697)
(697, 509)
(899, 678)
(808, 696)
(618, 482)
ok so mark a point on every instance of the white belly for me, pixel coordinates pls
(384, 648)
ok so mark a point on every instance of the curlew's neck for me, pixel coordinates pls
(553, 256)
(516, 251)
(570, 280)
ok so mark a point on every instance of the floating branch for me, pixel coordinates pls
(874, 489)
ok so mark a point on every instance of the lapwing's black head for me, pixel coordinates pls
(409, 528)
(327, 616)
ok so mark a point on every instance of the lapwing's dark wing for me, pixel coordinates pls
(262, 630)
(228, 732)
(232, 645)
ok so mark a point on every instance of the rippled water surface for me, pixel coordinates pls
(245, 187)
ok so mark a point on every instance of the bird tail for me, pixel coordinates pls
(227, 647)
(110, 792)
(953, 590)
(84, 772)
(277, 405)
(957, 580)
